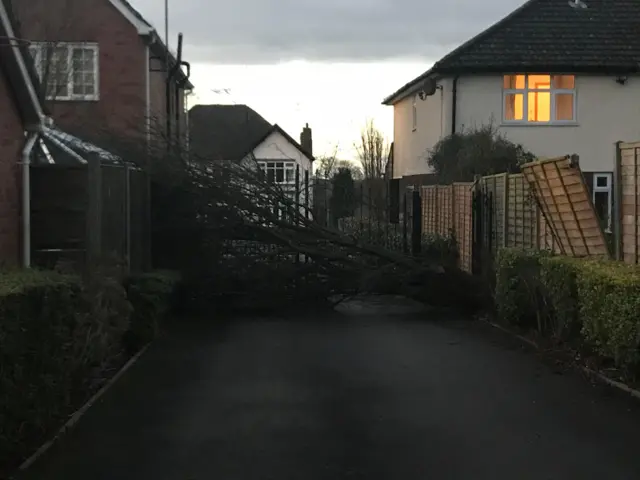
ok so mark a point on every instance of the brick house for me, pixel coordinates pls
(105, 70)
(20, 116)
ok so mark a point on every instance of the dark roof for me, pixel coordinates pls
(225, 132)
(230, 132)
(292, 141)
(549, 36)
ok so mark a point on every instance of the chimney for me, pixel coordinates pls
(305, 140)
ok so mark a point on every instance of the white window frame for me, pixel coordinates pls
(414, 113)
(287, 166)
(608, 191)
(525, 93)
(36, 49)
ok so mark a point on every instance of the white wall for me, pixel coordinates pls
(410, 147)
(606, 112)
(277, 147)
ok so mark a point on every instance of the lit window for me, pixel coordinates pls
(602, 198)
(539, 98)
(68, 71)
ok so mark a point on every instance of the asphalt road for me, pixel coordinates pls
(362, 397)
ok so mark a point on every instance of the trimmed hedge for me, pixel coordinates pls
(55, 333)
(152, 296)
(58, 337)
(593, 302)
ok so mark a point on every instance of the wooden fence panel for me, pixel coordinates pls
(114, 207)
(58, 214)
(522, 214)
(429, 209)
(445, 200)
(564, 198)
(463, 222)
(629, 202)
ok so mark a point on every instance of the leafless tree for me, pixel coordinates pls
(373, 151)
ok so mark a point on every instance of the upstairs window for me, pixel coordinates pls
(539, 99)
(68, 71)
(283, 173)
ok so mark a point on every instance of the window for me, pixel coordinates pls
(68, 71)
(279, 172)
(414, 113)
(602, 198)
(539, 99)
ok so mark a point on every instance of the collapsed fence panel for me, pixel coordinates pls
(564, 201)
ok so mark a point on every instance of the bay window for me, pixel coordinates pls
(539, 99)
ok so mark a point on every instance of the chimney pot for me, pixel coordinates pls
(306, 141)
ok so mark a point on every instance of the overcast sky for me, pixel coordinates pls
(326, 62)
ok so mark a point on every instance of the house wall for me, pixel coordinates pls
(158, 82)
(606, 112)
(11, 143)
(122, 102)
(277, 147)
(410, 147)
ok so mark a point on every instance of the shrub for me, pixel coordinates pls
(55, 333)
(518, 287)
(609, 302)
(152, 295)
(596, 302)
(559, 311)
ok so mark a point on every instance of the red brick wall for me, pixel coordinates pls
(11, 142)
(121, 108)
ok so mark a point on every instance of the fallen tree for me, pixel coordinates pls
(245, 240)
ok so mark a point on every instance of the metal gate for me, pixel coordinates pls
(482, 241)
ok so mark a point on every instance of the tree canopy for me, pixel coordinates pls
(481, 151)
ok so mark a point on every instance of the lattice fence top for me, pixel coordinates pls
(563, 197)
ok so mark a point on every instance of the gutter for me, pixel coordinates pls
(32, 138)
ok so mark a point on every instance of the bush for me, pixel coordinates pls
(518, 287)
(55, 334)
(559, 311)
(595, 302)
(609, 302)
(152, 295)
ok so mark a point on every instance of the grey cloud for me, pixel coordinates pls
(268, 31)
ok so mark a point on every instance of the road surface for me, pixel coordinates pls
(372, 396)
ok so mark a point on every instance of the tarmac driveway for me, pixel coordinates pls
(375, 396)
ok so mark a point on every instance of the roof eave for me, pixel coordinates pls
(540, 68)
(409, 88)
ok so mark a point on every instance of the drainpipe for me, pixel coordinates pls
(454, 103)
(32, 138)
(147, 86)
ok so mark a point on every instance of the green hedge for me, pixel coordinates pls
(152, 296)
(594, 302)
(55, 333)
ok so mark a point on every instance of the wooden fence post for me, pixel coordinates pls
(453, 212)
(416, 230)
(505, 210)
(93, 219)
(617, 203)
